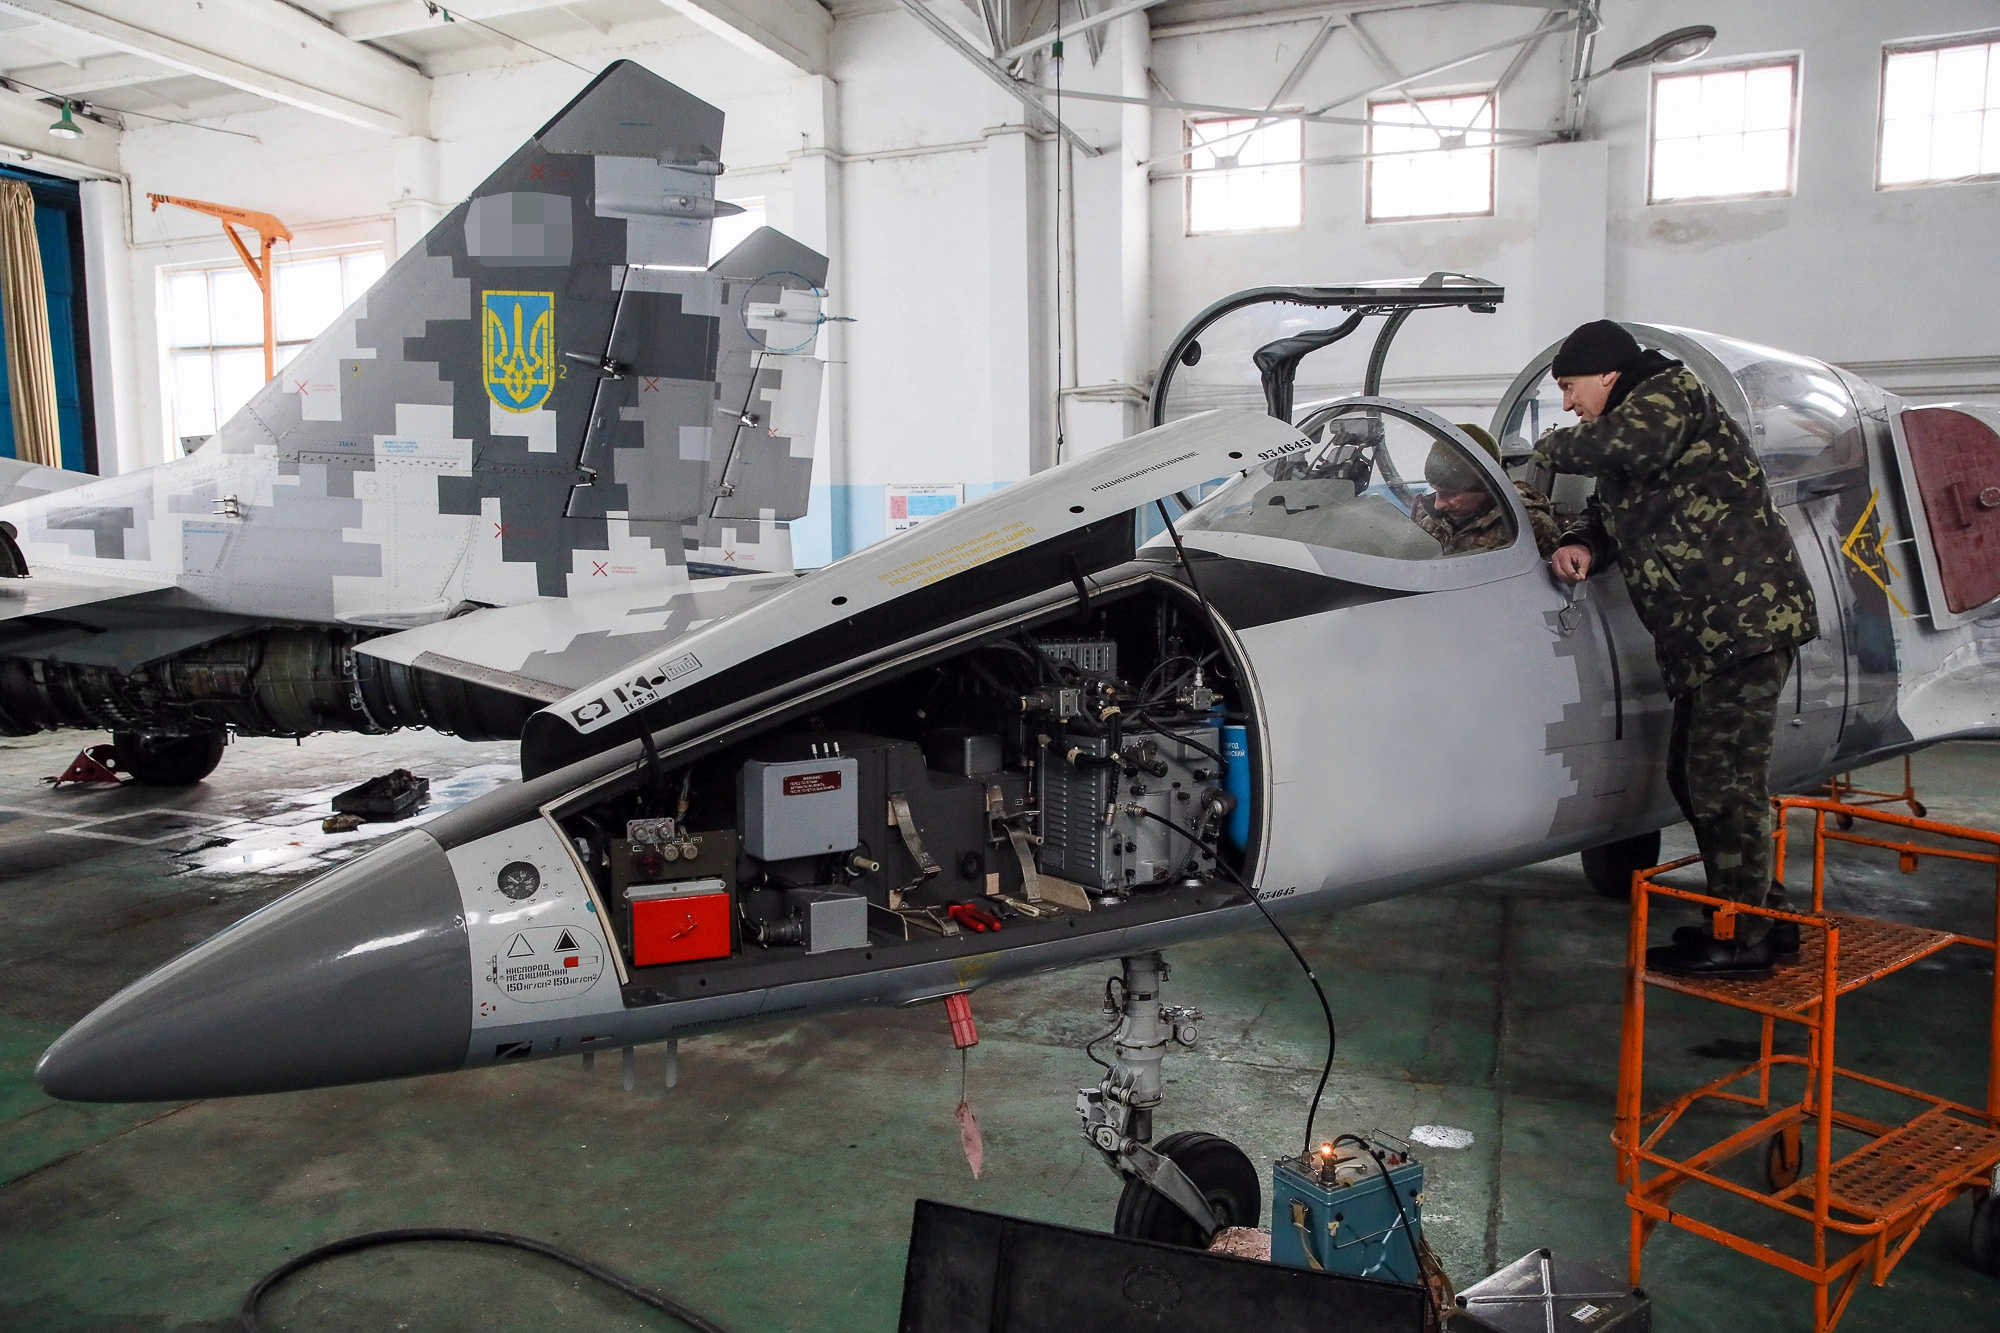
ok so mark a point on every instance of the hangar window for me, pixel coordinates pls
(1380, 483)
(1724, 133)
(1245, 176)
(214, 322)
(1430, 157)
(1940, 113)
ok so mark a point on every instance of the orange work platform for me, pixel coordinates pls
(1836, 1213)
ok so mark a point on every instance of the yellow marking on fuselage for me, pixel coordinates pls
(1864, 546)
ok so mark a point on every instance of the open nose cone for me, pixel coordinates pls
(362, 974)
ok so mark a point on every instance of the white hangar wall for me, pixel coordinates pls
(938, 206)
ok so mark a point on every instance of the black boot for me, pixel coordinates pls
(1705, 956)
(1784, 935)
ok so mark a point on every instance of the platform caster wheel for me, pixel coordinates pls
(169, 761)
(1920, 810)
(1217, 1167)
(1843, 821)
(1986, 1234)
(1782, 1154)
(1609, 868)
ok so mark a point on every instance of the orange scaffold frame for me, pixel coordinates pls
(1880, 1195)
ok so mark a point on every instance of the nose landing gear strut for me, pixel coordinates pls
(1190, 1185)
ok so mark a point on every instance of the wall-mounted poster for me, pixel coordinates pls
(906, 504)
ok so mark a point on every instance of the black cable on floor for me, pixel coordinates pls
(1332, 1038)
(369, 1240)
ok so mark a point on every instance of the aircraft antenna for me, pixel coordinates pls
(1332, 1037)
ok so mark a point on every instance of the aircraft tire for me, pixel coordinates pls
(1217, 1167)
(1609, 868)
(169, 761)
(1986, 1234)
(1783, 1155)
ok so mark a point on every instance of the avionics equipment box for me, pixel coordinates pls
(833, 918)
(1334, 1211)
(802, 807)
(680, 922)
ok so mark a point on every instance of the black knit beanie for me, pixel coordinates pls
(1595, 348)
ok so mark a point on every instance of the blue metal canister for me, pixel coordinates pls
(1347, 1220)
(1236, 781)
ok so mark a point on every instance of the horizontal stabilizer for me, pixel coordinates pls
(545, 650)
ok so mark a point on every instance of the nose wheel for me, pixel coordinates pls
(1220, 1173)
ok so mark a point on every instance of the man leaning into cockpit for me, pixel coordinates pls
(1682, 507)
(1463, 513)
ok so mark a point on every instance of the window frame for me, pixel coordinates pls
(1492, 150)
(1773, 60)
(1911, 46)
(1188, 146)
(285, 349)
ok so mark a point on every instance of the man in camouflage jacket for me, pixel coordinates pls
(1682, 506)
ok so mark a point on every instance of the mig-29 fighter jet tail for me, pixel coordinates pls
(553, 393)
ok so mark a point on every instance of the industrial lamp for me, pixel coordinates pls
(65, 128)
(1670, 48)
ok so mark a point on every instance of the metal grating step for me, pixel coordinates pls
(1869, 949)
(1900, 1168)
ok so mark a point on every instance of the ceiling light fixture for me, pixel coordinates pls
(1669, 48)
(65, 128)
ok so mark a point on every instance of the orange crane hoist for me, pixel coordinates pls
(269, 232)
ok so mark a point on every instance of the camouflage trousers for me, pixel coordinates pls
(1719, 766)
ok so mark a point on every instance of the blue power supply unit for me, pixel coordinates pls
(1333, 1211)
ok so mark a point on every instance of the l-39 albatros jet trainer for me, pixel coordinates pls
(553, 395)
(1018, 738)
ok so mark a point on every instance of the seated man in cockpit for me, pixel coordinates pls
(1463, 513)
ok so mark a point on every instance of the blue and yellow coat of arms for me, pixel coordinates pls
(519, 348)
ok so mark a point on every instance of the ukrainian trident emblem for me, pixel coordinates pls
(519, 353)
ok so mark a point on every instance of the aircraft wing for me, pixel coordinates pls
(49, 588)
(549, 648)
(25, 481)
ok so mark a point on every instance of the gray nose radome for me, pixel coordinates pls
(362, 974)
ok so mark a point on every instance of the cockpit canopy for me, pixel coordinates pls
(1799, 413)
(1387, 480)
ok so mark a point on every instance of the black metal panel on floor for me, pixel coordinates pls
(978, 1272)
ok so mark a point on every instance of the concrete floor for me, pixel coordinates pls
(772, 1188)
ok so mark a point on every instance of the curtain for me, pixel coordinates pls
(24, 305)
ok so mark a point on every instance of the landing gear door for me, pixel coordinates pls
(1949, 459)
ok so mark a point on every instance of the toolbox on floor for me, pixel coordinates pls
(976, 1272)
(1538, 1292)
(1335, 1211)
(680, 922)
(391, 796)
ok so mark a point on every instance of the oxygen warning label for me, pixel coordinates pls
(812, 784)
(547, 963)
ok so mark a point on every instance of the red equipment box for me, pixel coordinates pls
(678, 923)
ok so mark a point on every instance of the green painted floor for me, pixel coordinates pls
(772, 1188)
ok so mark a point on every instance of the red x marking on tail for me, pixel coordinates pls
(597, 568)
